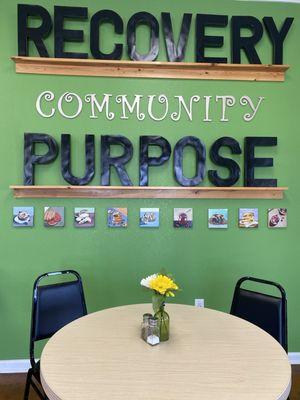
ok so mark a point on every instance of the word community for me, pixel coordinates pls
(240, 43)
(156, 107)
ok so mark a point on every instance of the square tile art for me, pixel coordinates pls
(54, 217)
(84, 217)
(149, 217)
(248, 218)
(117, 217)
(183, 218)
(23, 216)
(218, 218)
(277, 218)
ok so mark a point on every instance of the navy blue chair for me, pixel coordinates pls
(266, 311)
(53, 306)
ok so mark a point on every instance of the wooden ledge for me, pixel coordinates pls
(154, 69)
(147, 192)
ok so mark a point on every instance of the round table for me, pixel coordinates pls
(210, 356)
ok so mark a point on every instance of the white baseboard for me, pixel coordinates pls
(14, 366)
(294, 358)
(18, 366)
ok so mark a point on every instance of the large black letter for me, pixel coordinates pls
(62, 35)
(200, 161)
(146, 161)
(66, 160)
(143, 18)
(97, 19)
(117, 162)
(248, 43)
(277, 37)
(176, 53)
(252, 162)
(203, 41)
(30, 158)
(233, 167)
(35, 34)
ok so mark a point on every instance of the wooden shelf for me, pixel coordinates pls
(154, 69)
(148, 192)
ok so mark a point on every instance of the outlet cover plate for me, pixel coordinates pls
(199, 302)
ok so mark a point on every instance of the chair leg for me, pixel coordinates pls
(38, 388)
(27, 386)
(31, 382)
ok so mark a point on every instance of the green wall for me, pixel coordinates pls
(206, 262)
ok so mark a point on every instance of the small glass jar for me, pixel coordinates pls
(163, 324)
(153, 331)
(145, 326)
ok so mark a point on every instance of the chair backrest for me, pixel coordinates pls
(54, 306)
(266, 311)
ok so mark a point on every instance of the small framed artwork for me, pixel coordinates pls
(218, 218)
(248, 218)
(183, 218)
(23, 216)
(54, 217)
(149, 217)
(117, 217)
(277, 218)
(84, 217)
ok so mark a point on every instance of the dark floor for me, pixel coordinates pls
(12, 386)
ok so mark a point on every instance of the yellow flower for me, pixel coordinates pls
(163, 285)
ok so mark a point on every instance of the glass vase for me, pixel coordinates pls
(158, 303)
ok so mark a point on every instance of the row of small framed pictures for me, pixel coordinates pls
(149, 217)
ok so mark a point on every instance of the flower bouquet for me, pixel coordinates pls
(162, 286)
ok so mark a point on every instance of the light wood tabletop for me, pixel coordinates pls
(210, 356)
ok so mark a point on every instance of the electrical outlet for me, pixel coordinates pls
(199, 302)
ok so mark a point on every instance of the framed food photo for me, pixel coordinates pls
(149, 217)
(277, 218)
(54, 217)
(23, 216)
(117, 217)
(218, 218)
(248, 218)
(183, 218)
(84, 217)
